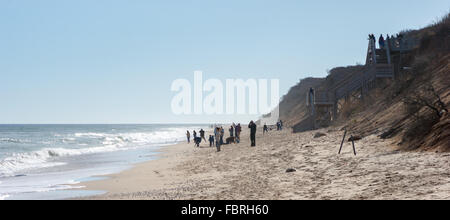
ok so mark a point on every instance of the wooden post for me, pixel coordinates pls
(374, 52)
(343, 139)
(353, 144)
(388, 50)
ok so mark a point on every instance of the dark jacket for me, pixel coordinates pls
(252, 127)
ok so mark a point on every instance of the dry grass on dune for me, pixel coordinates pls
(387, 109)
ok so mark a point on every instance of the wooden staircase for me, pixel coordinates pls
(378, 65)
(381, 56)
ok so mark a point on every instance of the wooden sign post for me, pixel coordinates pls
(342, 143)
(353, 144)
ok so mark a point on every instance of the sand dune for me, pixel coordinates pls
(379, 171)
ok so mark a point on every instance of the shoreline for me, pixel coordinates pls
(120, 182)
(240, 172)
(45, 161)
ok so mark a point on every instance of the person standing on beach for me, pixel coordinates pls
(265, 129)
(222, 133)
(188, 135)
(252, 127)
(238, 133)
(202, 134)
(217, 136)
(211, 140)
(231, 131)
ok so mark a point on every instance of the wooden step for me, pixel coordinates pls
(384, 71)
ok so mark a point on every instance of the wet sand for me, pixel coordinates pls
(379, 171)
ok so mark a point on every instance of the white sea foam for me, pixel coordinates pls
(90, 134)
(11, 140)
(42, 158)
(3, 197)
(18, 162)
(47, 157)
(167, 135)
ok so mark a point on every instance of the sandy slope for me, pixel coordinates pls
(242, 172)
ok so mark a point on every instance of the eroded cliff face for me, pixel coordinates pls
(415, 127)
(293, 105)
(384, 111)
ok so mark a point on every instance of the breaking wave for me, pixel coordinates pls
(98, 143)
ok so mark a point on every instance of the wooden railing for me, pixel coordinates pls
(347, 85)
(356, 81)
(404, 44)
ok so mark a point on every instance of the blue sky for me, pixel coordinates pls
(113, 61)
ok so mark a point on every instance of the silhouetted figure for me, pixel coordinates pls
(372, 37)
(265, 129)
(197, 141)
(188, 135)
(211, 140)
(311, 96)
(231, 131)
(222, 133)
(252, 127)
(217, 137)
(238, 133)
(381, 42)
(202, 134)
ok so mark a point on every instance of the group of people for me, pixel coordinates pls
(279, 127)
(196, 139)
(217, 139)
(381, 40)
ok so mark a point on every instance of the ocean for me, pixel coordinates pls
(42, 161)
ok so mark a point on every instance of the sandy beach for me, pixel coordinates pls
(239, 172)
